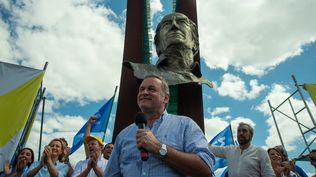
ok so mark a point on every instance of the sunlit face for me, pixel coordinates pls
(25, 157)
(275, 157)
(151, 98)
(94, 147)
(175, 29)
(243, 135)
(57, 148)
(312, 157)
(107, 150)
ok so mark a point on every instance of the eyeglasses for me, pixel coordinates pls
(312, 158)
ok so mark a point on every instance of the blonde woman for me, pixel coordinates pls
(50, 165)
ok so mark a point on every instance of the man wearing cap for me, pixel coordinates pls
(95, 165)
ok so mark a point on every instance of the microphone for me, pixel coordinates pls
(141, 122)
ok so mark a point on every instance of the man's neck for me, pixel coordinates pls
(244, 146)
(151, 118)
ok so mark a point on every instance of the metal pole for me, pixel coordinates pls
(42, 120)
(299, 91)
(299, 126)
(276, 125)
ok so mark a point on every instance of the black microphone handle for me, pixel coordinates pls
(141, 125)
(143, 152)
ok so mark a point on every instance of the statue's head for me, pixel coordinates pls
(176, 28)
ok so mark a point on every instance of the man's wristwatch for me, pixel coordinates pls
(163, 151)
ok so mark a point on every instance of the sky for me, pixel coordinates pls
(249, 50)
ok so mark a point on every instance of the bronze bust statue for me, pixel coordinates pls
(176, 43)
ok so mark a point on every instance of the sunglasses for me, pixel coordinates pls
(312, 158)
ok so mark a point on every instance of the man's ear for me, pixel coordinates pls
(166, 99)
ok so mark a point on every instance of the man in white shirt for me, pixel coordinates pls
(95, 165)
(245, 160)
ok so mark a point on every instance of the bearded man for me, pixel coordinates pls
(245, 160)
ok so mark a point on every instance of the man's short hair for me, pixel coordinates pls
(164, 85)
(249, 127)
(194, 33)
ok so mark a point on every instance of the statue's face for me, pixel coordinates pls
(175, 29)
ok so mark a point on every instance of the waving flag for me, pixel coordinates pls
(99, 126)
(19, 86)
(223, 138)
(311, 89)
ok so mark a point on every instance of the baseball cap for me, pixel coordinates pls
(88, 138)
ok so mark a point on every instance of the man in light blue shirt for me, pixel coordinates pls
(176, 144)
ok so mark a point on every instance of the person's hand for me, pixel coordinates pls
(7, 167)
(43, 158)
(92, 163)
(286, 168)
(92, 119)
(48, 153)
(278, 170)
(147, 140)
(21, 163)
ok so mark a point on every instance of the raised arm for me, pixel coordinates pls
(91, 121)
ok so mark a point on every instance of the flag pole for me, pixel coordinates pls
(230, 128)
(107, 122)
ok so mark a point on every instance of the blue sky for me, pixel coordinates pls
(249, 49)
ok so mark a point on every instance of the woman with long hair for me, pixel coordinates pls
(20, 165)
(50, 164)
(280, 167)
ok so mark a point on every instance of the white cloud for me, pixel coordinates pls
(6, 53)
(83, 47)
(5, 3)
(219, 110)
(215, 125)
(155, 7)
(234, 87)
(292, 139)
(255, 35)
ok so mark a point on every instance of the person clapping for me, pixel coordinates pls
(20, 165)
(50, 164)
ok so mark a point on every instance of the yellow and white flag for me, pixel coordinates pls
(18, 89)
(311, 89)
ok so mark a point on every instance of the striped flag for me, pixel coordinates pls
(19, 86)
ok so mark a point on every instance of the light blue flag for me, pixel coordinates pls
(223, 138)
(99, 126)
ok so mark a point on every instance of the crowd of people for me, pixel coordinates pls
(168, 145)
(175, 145)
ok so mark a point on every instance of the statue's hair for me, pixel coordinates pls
(194, 32)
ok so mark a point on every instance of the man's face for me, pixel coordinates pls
(243, 135)
(94, 147)
(175, 29)
(107, 150)
(312, 157)
(151, 98)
